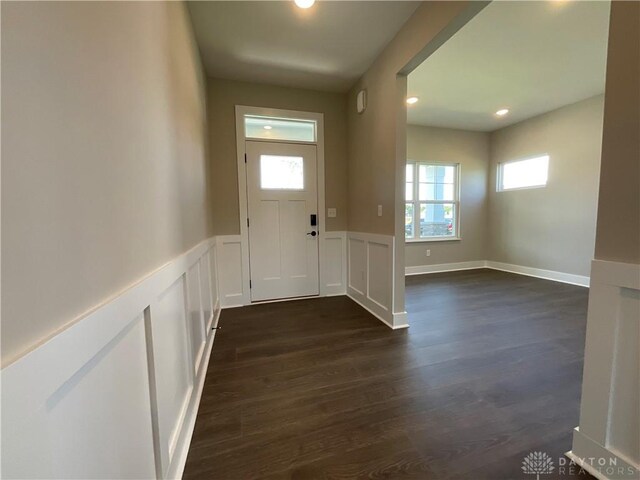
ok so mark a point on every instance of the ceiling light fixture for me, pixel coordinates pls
(268, 127)
(412, 100)
(304, 3)
(502, 112)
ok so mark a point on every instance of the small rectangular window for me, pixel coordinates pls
(271, 128)
(279, 172)
(432, 201)
(527, 173)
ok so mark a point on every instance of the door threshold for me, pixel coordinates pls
(287, 299)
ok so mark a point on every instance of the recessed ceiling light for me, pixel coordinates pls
(502, 112)
(412, 100)
(305, 3)
(268, 127)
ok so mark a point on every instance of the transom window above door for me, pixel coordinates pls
(432, 201)
(282, 129)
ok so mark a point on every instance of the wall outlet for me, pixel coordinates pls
(331, 212)
(379, 210)
(428, 252)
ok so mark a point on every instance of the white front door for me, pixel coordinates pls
(283, 211)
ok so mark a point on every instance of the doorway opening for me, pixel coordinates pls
(503, 146)
(503, 143)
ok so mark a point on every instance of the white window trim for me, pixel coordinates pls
(499, 187)
(416, 202)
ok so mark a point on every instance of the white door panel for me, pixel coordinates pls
(282, 196)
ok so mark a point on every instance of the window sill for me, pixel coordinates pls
(433, 239)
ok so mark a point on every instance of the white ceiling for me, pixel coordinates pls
(529, 57)
(327, 47)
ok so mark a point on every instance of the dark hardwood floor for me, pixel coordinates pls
(489, 371)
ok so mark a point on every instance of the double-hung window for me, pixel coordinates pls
(432, 201)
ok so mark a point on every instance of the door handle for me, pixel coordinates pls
(313, 234)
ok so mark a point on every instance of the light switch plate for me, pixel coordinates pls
(379, 210)
(331, 212)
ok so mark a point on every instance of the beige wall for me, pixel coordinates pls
(471, 151)
(377, 137)
(551, 228)
(618, 230)
(224, 95)
(103, 156)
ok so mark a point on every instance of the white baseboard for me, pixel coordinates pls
(587, 468)
(400, 321)
(601, 462)
(360, 300)
(562, 277)
(444, 267)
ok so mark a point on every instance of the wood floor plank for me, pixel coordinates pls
(392, 458)
(489, 369)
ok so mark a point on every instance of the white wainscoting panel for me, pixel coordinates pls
(610, 414)
(379, 263)
(195, 317)
(370, 276)
(60, 431)
(206, 289)
(173, 369)
(357, 254)
(624, 431)
(115, 394)
(215, 285)
(333, 269)
(231, 271)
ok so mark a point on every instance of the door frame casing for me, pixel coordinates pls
(241, 111)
